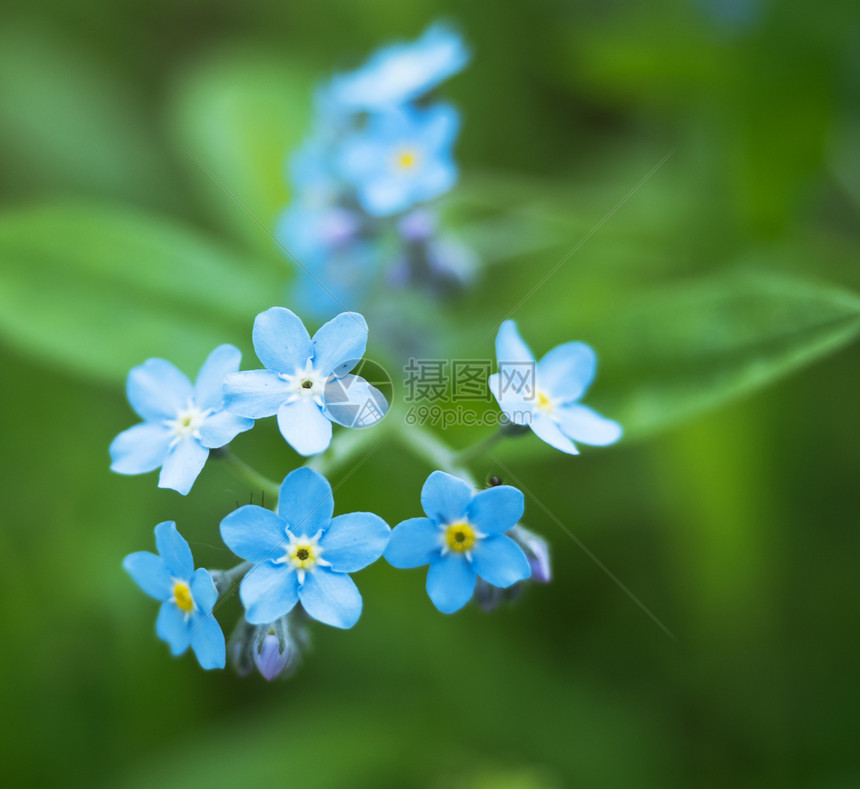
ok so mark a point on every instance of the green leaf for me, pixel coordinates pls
(235, 116)
(96, 290)
(668, 356)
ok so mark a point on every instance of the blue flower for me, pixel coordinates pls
(181, 422)
(306, 381)
(544, 394)
(187, 596)
(403, 157)
(462, 537)
(302, 554)
(400, 72)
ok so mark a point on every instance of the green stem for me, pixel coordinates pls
(225, 579)
(250, 475)
(344, 447)
(432, 449)
(479, 447)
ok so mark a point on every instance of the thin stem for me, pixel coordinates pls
(224, 579)
(479, 447)
(436, 452)
(344, 447)
(250, 475)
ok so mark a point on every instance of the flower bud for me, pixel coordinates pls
(536, 551)
(271, 659)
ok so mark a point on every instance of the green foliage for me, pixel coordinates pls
(672, 354)
(96, 290)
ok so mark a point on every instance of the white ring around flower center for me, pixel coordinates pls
(187, 422)
(306, 384)
(303, 554)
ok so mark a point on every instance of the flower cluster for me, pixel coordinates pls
(380, 151)
(298, 557)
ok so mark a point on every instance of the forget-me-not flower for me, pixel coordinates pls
(461, 538)
(187, 596)
(181, 422)
(306, 381)
(302, 554)
(401, 158)
(400, 72)
(544, 394)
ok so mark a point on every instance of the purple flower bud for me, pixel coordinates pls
(536, 551)
(417, 226)
(270, 660)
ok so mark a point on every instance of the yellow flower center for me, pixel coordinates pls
(407, 159)
(460, 537)
(182, 597)
(302, 554)
(543, 402)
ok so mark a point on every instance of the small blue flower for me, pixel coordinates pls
(187, 596)
(544, 394)
(181, 422)
(302, 554)
(462, 537)
(403, 157)
(400, 72)
(306, 381)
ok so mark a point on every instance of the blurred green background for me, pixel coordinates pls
(731, 511)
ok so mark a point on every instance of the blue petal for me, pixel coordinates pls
(268, 591)
(511, 397)
(255, 393)
(500, 561)
(340, 344)
(441, 123)
(353, 402)
(547, 430)
(254, 533)
(566, 371)
(353, 541)
(495, 510)
(304, 427)
(281, 340)
(157, 390)
(209, 387)
(174, 551)
(221, 428)
(149, 572)
(510, 347)
(203, 590)
(173, 628)
(207, 641)
(582, 424)
(450, 582)
(445, 497)
(385, 195)
(182, 465)
(141, 448)
(414, 542)
(305, 501)
(331, 598)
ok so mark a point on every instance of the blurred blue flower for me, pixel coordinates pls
(181, 422)
(461, 538)
(302, 554)
(400, 72)
(306, 381)
(544, 394)
(187, 596)
(401, 158)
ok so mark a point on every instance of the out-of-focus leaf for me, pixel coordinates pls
(670, 355)
(96, 290)
(235, 116)
(67, 124)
